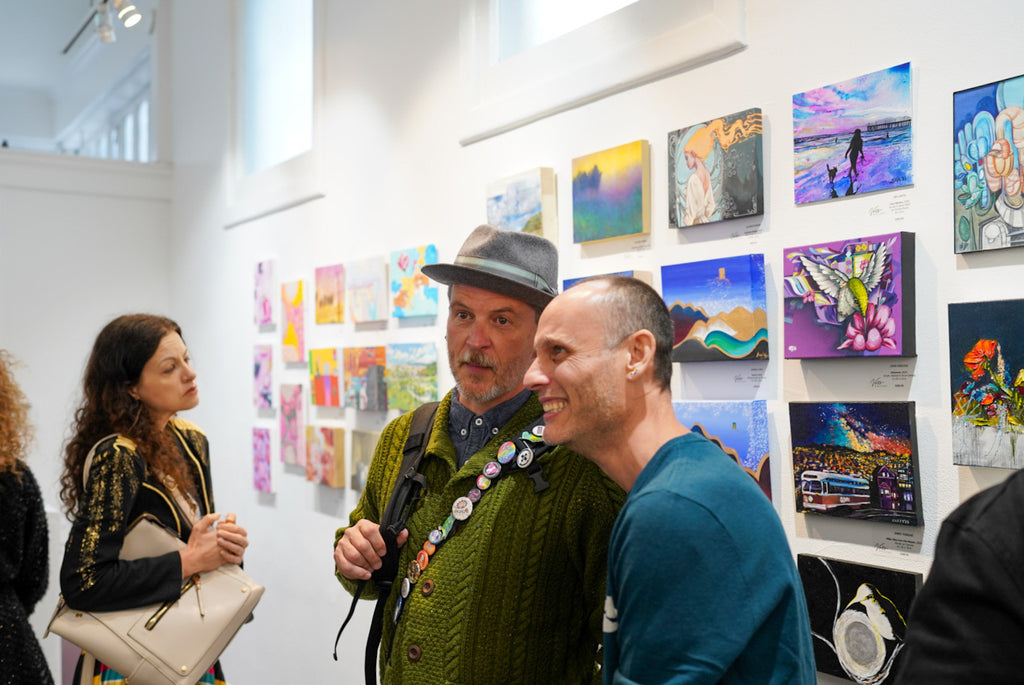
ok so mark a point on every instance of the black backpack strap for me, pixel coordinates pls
(407, 491)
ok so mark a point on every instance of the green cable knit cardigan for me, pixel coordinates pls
(518, 591)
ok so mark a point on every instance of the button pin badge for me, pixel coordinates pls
(462, 508)
(524, 458)
(506, 452)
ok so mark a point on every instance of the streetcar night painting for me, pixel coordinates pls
(856, 460)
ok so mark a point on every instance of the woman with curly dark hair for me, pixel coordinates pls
(23, 540)
(145, 463)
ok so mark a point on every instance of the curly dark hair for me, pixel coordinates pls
(118, 357)
(15, 430)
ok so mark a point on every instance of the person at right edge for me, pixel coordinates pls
(966, 623)
(515, 594)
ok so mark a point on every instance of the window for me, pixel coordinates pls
(514, 80)
(276, 163)
(525, 24)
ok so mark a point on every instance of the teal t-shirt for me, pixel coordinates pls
(702, 587)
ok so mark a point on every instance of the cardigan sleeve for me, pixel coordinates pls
(92, 576)
(31, 580)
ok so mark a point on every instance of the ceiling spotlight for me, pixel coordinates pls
(104, 25)
(127, 13)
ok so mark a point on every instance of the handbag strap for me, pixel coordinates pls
(406, 492)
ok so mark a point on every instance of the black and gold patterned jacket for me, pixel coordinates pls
(120, 490)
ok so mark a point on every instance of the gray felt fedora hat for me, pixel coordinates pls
(511, 263)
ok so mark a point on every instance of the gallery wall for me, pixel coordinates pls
(395, 176)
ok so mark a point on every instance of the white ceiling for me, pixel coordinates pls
(34, 32)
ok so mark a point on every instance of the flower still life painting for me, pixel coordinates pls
(325, 456)
(718, 308)
(263, 390)
(293, 339)
(525, 202)
(716, 170)
(856, 460)
(324, 377)
(611, 193)
(412, 293)
(854, 136)
(858, 616)
(850, 298)
(330, 294)
(988, 138)
(986, 372)
(293, 422)
(740, 428)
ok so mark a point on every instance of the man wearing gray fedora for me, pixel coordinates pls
(501, 564)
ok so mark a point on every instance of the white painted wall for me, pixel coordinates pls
(395, 176)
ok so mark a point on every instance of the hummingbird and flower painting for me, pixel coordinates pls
(858, 616)
(850, 298)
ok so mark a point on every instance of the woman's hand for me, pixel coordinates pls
(203, 551)
(233, 539)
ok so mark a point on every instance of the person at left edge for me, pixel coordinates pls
(148, 463)
(514, 595)
(23, 540)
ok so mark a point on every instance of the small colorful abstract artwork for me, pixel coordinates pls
(858, 616)
(611, 193)
(718, 308)
(325, 456)
(854, 136)
(324, 377)
(412, 293)
(261, 460)
(986, 372)
(716, 170)
(293, 340)
(525, 202)
(411, 375)
(367, 287)
(850, 298)
(856, 460)
(644, 276)
(364, 443)
(263, 390)
(739, 428)
(330, 294)
(293, 422)
(264, 293)
(365, 384)
(988, 134)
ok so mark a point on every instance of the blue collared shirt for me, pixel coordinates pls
(469, 432)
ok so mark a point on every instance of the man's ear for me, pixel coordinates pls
(641, 346)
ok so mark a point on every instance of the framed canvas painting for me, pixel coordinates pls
(850, 298)
(739, 428)
(293, 422)
(263, 390)
(716, 170)
(718, 308)
(330, 294)
(858, 616)
(325, 456)
(411, 375)
(264, 293)
(986, 372)
(611, 193)
(367, 286)
(365, 384)
(261, 460)
(412, 293)
(988, 129)
(363, 445)
(293, 339)
(854, 136)
(856, 460)
(525, 202)
(644, 276)
(324, 378)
